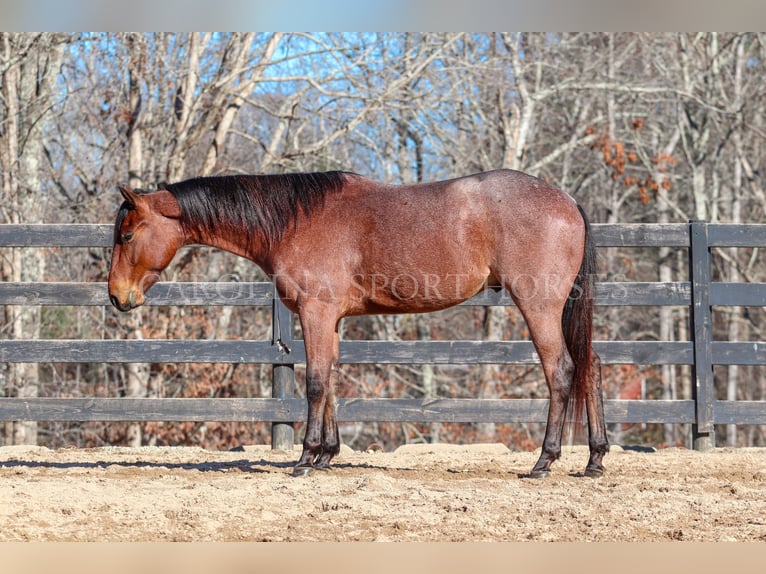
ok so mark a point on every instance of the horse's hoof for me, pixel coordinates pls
(540, 473)
(594, 472)
(302, 471)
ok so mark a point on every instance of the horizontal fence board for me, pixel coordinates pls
(152, 409)
(676, 293)
(163, 293)
(506, 352)
(739, 412)
(437, 352)
(738, 294)
(739, 353)
(443, 410)
(645, 352)
(351, 352)
(349, 410)
(100, 235)
(56, 235)
(736, 235)
(52, 293)
(653, 411)
(146, 351)
(604, 234)
(262, 293)
(641, 234)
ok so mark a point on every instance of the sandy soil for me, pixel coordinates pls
(417, 493)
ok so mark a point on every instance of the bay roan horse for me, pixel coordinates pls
(337, 244)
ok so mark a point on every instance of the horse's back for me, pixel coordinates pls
(467, 216)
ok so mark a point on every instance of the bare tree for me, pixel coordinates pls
(638, 127)
(29, 66)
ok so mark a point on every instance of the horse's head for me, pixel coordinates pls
(147, 235)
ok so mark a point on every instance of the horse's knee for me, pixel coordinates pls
(315, 388)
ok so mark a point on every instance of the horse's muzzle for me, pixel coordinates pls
(124, 307)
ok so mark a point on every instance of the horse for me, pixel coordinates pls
(337, 244)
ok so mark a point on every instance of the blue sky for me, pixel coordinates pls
(381, 15)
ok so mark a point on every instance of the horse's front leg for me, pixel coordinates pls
(330, 436)
(318, 324)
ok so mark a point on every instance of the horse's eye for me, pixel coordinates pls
(126, 237)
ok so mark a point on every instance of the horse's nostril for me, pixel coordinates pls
(116, 303)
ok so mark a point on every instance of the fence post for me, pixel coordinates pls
(283, 375)
(703, 384)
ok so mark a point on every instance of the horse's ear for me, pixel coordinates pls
(165, 203)
(129, 195)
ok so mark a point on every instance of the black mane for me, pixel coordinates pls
(262, 206)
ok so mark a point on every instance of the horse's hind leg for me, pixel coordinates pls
(594, 404)
(548, 338)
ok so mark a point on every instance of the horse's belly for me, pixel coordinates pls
(415, 292)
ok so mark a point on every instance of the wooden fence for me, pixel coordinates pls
(699, 294)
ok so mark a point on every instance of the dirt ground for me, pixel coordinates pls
(417, 493)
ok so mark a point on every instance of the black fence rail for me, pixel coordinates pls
(701, 352)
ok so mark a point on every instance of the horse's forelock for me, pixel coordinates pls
(122, 213)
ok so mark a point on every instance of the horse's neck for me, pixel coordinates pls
(237, 246)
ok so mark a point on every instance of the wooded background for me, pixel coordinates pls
(638, 127)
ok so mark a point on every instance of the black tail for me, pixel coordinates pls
(577, 322)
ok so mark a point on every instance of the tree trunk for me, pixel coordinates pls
(427, 374)
(735, 190)
(136, 374)
(27, 88)
(667, 315)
